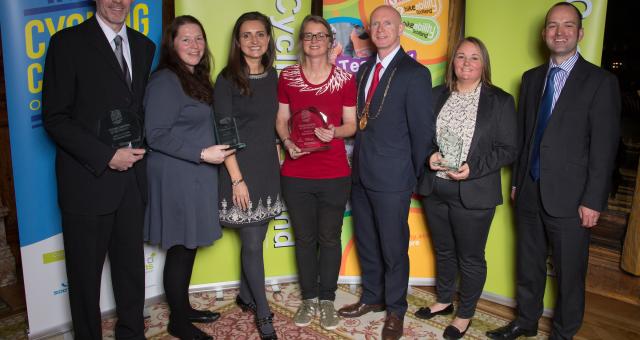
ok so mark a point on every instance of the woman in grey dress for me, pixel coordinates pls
(249, 182)
(182, 170)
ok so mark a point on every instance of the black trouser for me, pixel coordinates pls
(569, 242)
(316, 208)
(381, 229)
(87, 240)
(459, 237)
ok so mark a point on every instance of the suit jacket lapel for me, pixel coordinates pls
(137, 58)
(362, 82)
(570, 90)
(99, 41)
(538, 79)
(483, 116)
(377, 96)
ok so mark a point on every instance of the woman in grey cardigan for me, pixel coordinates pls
(182, 166)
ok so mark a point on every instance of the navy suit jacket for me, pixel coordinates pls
(579, 144)
(390, 153)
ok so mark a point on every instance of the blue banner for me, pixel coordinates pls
(27, 26)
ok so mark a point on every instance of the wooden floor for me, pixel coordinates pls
(604, 319)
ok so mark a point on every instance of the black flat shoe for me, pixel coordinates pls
(265, 321)
(453, 333)
(510, 331)
(203, 316)
(188, 334)
(245, 306)
(426, 313)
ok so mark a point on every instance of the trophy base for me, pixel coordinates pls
(316, 148)
(446, 165)
(237, 146)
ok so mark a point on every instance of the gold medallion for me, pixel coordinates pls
(363, 122)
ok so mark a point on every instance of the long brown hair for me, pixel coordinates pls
(237, 70)
(451, 79)
(196, 85)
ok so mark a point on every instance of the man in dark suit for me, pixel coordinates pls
(569, 121)
(92, 70)
(395, 132)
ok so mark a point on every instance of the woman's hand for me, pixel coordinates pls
(215, 154)
(461, 174)
(293, 149)
(241, 195)
(325, 135)
(435, 160)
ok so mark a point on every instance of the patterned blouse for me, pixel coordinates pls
(457, 121)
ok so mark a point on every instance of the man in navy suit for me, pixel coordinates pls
(395, 131)
(94, 72)
(569, 122)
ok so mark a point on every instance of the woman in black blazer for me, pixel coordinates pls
(476, 137)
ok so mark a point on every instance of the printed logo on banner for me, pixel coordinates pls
(418, 7)
(149, 262)
(53, 256)
(43, 22)
(283, 238)
(62, 289)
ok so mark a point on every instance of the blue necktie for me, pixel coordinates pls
(544, 113)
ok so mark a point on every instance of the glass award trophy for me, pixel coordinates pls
(120, 129)
(450, 145)
(301, 127)
(227, 133)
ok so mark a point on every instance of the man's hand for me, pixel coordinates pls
(125, 158)
(588, 217)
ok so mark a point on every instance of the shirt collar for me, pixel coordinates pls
(566, 65)
(387, 60)
(109, 33)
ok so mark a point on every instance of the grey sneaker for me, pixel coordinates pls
(306, 312)
(328, 316)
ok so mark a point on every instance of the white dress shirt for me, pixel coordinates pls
(111, 35)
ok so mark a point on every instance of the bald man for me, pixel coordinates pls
(395, 131)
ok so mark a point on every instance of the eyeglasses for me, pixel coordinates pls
(317, 36)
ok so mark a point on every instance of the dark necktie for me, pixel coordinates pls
(123, 62)
(544, 113)
(374, 82)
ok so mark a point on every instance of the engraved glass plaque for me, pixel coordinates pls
(302, 127)
(227, 132)
(120, 129)
(450, 145)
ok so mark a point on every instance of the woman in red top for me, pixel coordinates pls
(316, 184)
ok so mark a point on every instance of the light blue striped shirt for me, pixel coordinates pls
(561, 76)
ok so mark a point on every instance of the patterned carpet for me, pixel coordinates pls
(234, 324)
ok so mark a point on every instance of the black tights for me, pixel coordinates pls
(176, 276)
(252, 279)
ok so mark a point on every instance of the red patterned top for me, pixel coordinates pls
(328, 97)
